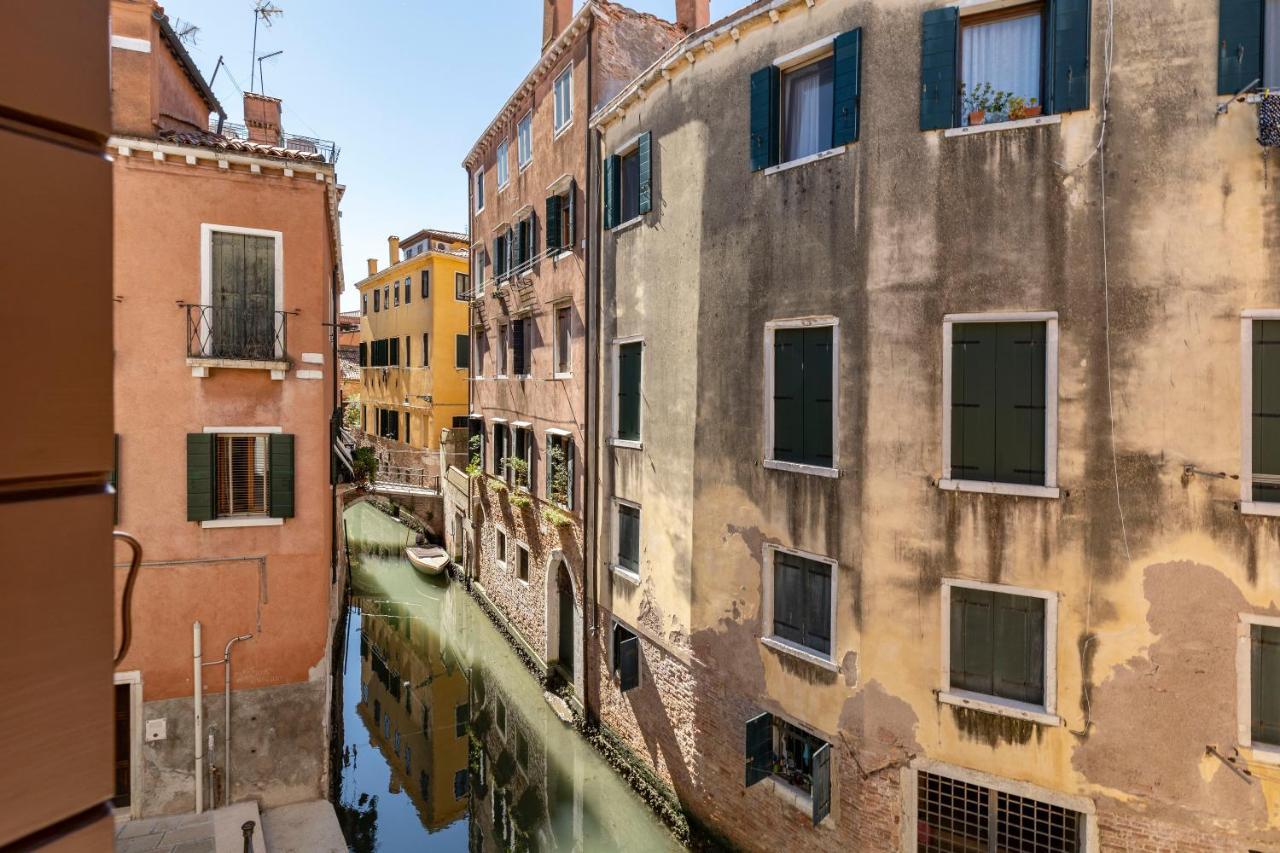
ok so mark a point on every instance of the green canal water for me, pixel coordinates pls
(446, 741)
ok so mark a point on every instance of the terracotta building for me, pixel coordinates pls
(226, 267)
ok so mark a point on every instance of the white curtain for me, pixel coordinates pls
(808, 100)
(1271, 47)
(1005, 54)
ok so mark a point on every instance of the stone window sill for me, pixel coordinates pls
(627, 443)
(788, 648)
(248, 521)
(998, 126)
(629, 224)
(791, 794)
(997, 705)
(200, 366)
(1262, 753)
(991, 488)
(801, 161)
(625, 573)
(800, 468)
(1260, 508)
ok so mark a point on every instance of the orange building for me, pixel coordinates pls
(227, 275)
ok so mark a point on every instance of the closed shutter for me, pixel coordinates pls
(973, 401)
(788, 597)
(759, 749)
(645, 156)
(572, 230)
(1070, 85)
(517, 347)
(817, 606)
(628, 662)
(1239, 44)
(462, 351)
(426, 350)
(821, 789)
(1264, 684)
(280, 474)
(629, 537)
(612, 174)
(1018, 672)
(408, 351)
(426, 284)
(200, 485)
(629, 367)
(553, 223)
(364, 354)
(569, 471)
(1266, 410)
(972, 630)
(818, 395)
(115, 480)
(788, 395)
(938, 87)
(393, 355)
(764, 118)
(1020, 403)
(498, 269)
(847, 88)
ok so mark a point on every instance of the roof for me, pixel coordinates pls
(179, 52)
(392, 271)
(434, 234)
(208, 139)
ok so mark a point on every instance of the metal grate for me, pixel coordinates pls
(958, 816)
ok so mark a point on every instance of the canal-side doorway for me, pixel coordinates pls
(128, 743)
(564, 623)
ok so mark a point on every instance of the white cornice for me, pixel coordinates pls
(189, 154)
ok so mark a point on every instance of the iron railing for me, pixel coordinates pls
(326, 148)
(394, 475)
(243, 334)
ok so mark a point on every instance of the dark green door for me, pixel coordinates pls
(564, 595)
(244, 293)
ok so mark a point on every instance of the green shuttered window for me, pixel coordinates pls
(630, 360)
(803, 391)
(775, 747)
(939, 87)
(644, 176)
(764, 118)
(1240, 44)
(847, 94)
(998, 402)
(280, 475)
(1264, 684)
(200, 503)
(1266, 410)
(629, 537)
(997, 644)
(610, 190)
(802, 601)
(626, 658)
(230, 476)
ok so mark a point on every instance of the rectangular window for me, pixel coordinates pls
(386, 296)
(564, 99)
(504, 336)
(426, 351)
(628, 537)
(1264, 412)
(803, 594)
(626, 658)
(460, 784)
(793, 757)
(522, 563)
(242, 475)
(426, 284)
(524, 140)
(395, 291)
(462, 351)
(1264, 685)
(628, 376)
(503, 177)
(802, 386)
(461, 284)
(521, 340)
(460, 716)
(564, 340)
(241, 319)
(364, 304)
(481, 345)
(408, 290)
(478, 265)
(1000, 58)
(393, 357)
(500, 548)
(522, 450)
(806, 108)
(408, 351)
(629, 186)
(560, 469)
(953, 814)
(564, 241)
(377, 301)
(501, 448)
(479, 190)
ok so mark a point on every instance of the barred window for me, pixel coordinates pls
(954, 815)
(242, 475)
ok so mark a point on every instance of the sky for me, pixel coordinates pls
(404, 87)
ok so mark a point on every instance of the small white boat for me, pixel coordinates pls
(428, 561)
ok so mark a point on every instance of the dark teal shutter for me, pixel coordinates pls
(759, 748)
(938, 86)
(115, 480)
(280, 474)
(1070, 84)
(1019, 403)
(572, 230)
(1266, 410)
(1264, 684)
(628, 663)
(821, 788)
(612, 174)
(553, 224)
(364, 354)
(788, 395)
(569, 471)
(531, 249)
(644, 154)
(973, 401)
(517, 348)
(497, 257)
(462, 351)
(788, 597)
(972, 629)
(629, 367)
(847, 89)
(629, 537)
(818, 396)
(200, 468)
(1239, 44)
(817, 606)
(1018, 671)
(764, 118)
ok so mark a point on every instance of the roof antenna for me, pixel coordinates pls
(222, 117)
(262, 81)
(264, 11)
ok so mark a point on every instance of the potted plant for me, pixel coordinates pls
(1020, 108)
(976, 102)
(1033, 108)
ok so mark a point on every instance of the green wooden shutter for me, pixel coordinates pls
(612, 194)
(764, 118)
(821, 788)
(629, 537)
(973, 400)
(573, 215)
(628, 663)
(280, 474)
(788, 597)
(817, 606)
(1070, 84)
(847, 89)
(644, 154)
(1264, 684)
(1266, 410)
(938, 85)
(553, 223)
(972, 631)
(200, 474)
(1018, 671)
(497, 257)
(1239, 44)
(759, 748)
(629, 367)
(788, 395)
(1019, 403)
(818, 370)
(569, 472)
(364, 354)
(462, 351)
(115, 479)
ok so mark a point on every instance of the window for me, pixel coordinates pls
(806, 108)
(560, 220)
(461, 284)
(1264, 685)
(1000, 403)
(461, 713)
(800, 376)
(564, 340)
(500, 548)
(627, 375)
(522, 449)
(522, 563)
(479, 190)
(242, 475)
(501, 443)
(628, 182)
(1260, 483)
(795, 758)
(241, 281)
(503, 338)
(426, 351)
(408, 352)
(502, 164)
(521, 339)
(564, 99)
(393, 357)
(377, 301)
(626, 658)
(462, 352)
(560, 469)
(239, 479)
(627, 538)
(395, 290)
(799, 607)
(478, 264)
(524, 140)
(1000, 649)
(426, 284)
(364, 304)
(386, 296)
(408, 290)
(1001, 50)
(460, 784)
(522, 244)
(501, 256)
(954, 814)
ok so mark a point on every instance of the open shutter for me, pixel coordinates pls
(572, 213)
(200, 485)
(531, 248)
(972, 629)
(938, 87)
(612, 174)
(973, 395)
(764, 118)
(280, 474)
(629, 358)
(1070, 85)
(1264, 684)
(550, 468)
(821, 783)
(497, 257)
(644, 156)
(628, 663)
(1239, 44)
(553, 224)
(569, 472)
(1019, 648)
(788, 393)
(115, 479)
(1266, 410)
(847, 89)
(818, 367)
(1019, 403)
(759, 748)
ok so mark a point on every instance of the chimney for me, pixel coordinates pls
(556, 15)
(393, 249)
(262, 118)
(373, 266)
(693, 14)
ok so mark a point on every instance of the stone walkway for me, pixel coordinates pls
(311, 827)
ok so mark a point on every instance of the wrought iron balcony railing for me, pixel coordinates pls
(235, 333)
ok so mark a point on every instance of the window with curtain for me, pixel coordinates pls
(1271, 46)
(806, 109)
(1002, 49)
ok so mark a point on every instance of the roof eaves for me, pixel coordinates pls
(179, 50)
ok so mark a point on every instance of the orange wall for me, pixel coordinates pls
(149, 91)
(159, 208)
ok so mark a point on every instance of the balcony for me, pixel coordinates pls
(325, 149)
(244, 338)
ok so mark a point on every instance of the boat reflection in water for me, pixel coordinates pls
(446, 740)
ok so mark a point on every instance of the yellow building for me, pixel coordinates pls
(413, 339)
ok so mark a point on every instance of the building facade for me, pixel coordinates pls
(413, 340)
(226, 267)
(528, 191)
(937, 496)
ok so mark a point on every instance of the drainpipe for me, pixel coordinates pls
(588, 474)
(226, 725)
(198, 705)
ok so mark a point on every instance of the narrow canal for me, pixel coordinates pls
(446, 740)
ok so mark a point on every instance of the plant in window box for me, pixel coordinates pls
(473, 464)
(555, 517)
(1020, 108)
(976, 101)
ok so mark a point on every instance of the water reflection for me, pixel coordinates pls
(447, 741)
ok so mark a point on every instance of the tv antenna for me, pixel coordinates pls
(262, 81)
(264, 11)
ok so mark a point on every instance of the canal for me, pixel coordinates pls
(446, 740)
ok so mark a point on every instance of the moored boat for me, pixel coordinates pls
(431, 560)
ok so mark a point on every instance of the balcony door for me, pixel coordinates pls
(244, 290)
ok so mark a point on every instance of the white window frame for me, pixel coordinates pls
(616, 562)
(768, 638)
(479, 189)
(206, 271)
(563, 122)
(503, 165)
(1248, 506)
(1050, 488)
(1264, 753)
(245, 520)
(522, 162)
(555, 344)
(458, 274)
(1046, 714)
(614, 623)
(478, 258)
(631, 146)
(767, 449)
(617, 377)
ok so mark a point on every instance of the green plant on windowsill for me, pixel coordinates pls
(983, 103)
(474, 467)
(519, 469)
(521, 499)
(555, 517)
(1020, 108)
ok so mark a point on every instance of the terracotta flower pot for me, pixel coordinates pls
(1032, 112)
(977, 117)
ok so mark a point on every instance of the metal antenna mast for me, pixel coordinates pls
(264, 11)
(262, 80)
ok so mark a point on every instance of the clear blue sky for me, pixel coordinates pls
(403, 86)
